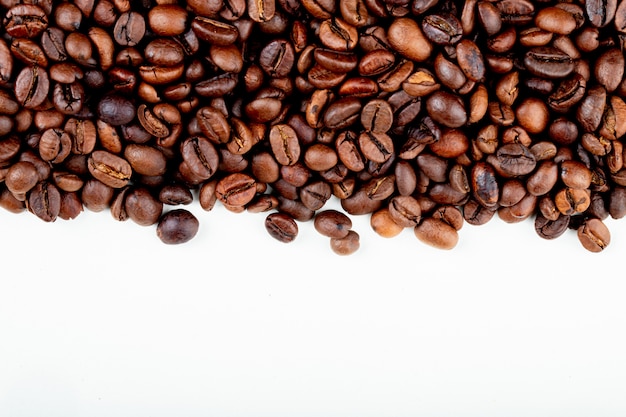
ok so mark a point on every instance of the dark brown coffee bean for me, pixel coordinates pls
(320, 157)
(281, 227)
(214, 31)
(332, 223)
(342, 113)
(570, 92)
(285, 145)
(145, 159)
(21, 177)
(600, 12)
(470, 60)
(32, 86)
(446, 109)
(405, 211)
(177, 226)
(484, 185)
(515, 159)
(167, 20)
(346, 245)
(110, 169)
(406, 37)
(442, 29)
(609, 69)
(377, 116)
(551, 229)
(236, 189)
(594, 235)
(277, 58)
(337, 34)
(29, 52)
(549, 62)
(376, 62)
(200, 156)
(377, 147)
(129, 29)
(436, 233)
(591, 109)
(517, 12)
(44, 201)
(142, 207)
(25, 21)
(261, 10)
(116, 110)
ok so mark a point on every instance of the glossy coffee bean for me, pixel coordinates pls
(177, 226)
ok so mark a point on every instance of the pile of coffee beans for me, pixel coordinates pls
(422, 114)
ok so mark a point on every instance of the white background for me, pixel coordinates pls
(99, 318)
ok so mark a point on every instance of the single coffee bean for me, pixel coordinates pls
(442, 29)
(436, 233)
(551, 229)
(200, 156)
(32, 86)
(167, 20)
(594, 235)
(281, 227)
(600, 12)
(406, 37)
(446, 109)
(129, 29)
(549, 62)
(177, 226)
(515, 159)
(142, 207)
(236, 189)
(110, 169)
(285, 145)
(44, 201)
(332, 223)
(116, 110)
(346, 245)
(25, 21)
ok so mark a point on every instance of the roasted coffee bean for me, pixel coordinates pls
(436, 233)
(377, 116)
(281, 227)
(342, 113)
(25, 21)
(444, 29)
(594, 235)
(549, 62)
(110, 169)
(332, 223)
(277, 58)
(446, 109)
(236, 189)
(600, 12)
(284, 142)
(116, 110)
(406, 37)
(515, 159)
(44, 201)
(200, 156)
(551, 229)
(142, 207)
(346, 245)
(32, 86)
(129, 29)
(177, 226)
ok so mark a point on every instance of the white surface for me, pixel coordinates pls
(99, 318)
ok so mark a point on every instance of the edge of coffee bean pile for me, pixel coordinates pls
(422, 114)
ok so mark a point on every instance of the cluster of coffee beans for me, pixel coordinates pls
(423, 114)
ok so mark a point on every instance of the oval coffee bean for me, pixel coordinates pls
(109, 168)
(177, 226)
